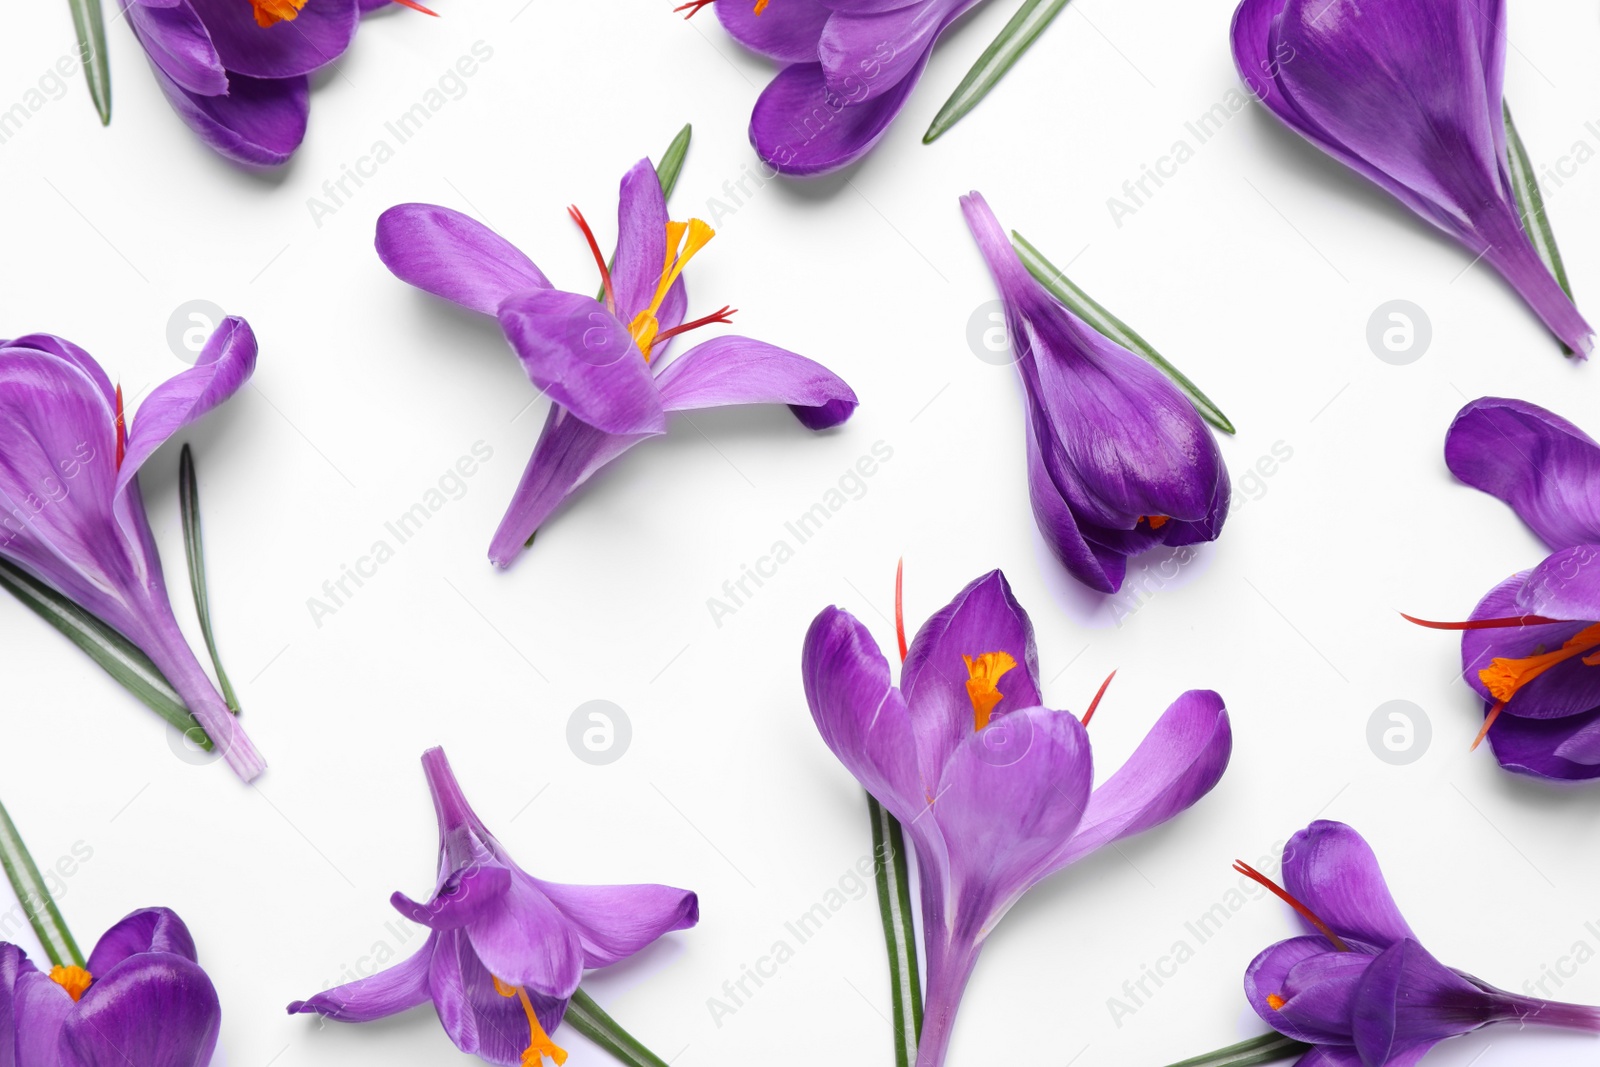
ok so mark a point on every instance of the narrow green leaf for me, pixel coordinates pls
(35, 898)
(120, 657)
(899, 931)
(590, 1020)
(1530, 205)
(1083, 305)
(667, 174)
(1268, 1048)
(1016, 38)
(90, 25)
(194, 555)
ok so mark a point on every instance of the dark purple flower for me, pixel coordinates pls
(993, 787)
(505, 950)
(140, 999)
(1359, 986)
(1407, 93)
(1119, 461)
(850, 67)
(70, 489)
(602, 364)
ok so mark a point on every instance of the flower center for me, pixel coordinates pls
(1505, 677)
(539, 1043)
(1275, 1002)
(75, 980)
(1155, 521)
(684, 239)
(984, 674)
(272, 12)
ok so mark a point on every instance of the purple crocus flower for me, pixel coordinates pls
(73, 516)
(140, 999)
(993, 787)
(1359, 986)
(237, 70)
(850, 66)
(1119, 461)
(505, 950)
(1531, 648)
(1407, 93)
(602, 364)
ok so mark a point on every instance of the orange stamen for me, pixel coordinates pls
(1095, 703)
(985, 674)
(539, 1043)
(1283, 894)
(75, 980)
(899, 607)
(1155, 521)
(684, 239)
(600, 259)
(1275, 1002)
(272, 12)
(122, 429)
(1504, 678)
(723, 316)
(1482, 624)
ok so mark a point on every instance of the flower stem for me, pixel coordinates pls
(899, 930)
(590, 1020)
(35, 898)
(194, 556)
(1007, 47)
(949, 966)
(90, 25)
(1268, 1048)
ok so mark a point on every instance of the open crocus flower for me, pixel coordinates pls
(993, 787)
(1531, 648)
(505, 950)
(141, 998)
(603, 364)
(1359, 987)
(74, 518)
(850, 67)
(236, 70)
(1407, 93)
(1119, 461)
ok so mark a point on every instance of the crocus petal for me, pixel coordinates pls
(259, 122)
(642, 249)
(316, 37)
(581, 355)
(146, 930)
(41, 1009)
(1317, 999)
(800, 127)
(1177, 763)
(1408, 1001)
(1564, 749)
(866, 55)
(861, 716)
(178, 44)
(14, 965)
(378, 996)
(155, 1010)
(454, 256)
(1569, 687)
(1565, 586)
(1540, 464)
(463, 897)
(1100, 568)
(1330, 1056)
(786, 32)
(736, 370)
(569, 452)
(478, 1019)
(1331, 869)
(223, 366)
(526, 941)
(616, 921)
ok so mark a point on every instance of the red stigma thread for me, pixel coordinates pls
(413, 5)
(1483, 624)
(1283, 894)
(599, 259)
(899, 607)
(693, 7)
(1488, 721)
(122, 429)
(1095, 703)
(723, 316)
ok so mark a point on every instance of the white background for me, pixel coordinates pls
(1255, 269)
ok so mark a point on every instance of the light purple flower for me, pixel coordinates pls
(994, 788)
(603, 364)
(1119, 461)
(1407, 93)
(505, 950)
(141, 999)
(73, 515)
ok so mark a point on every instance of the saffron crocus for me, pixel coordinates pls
(505, 950)
(1359, 986)
(1407, 93)
(1531, 648)
(140, 998)
(602, 363)
(1119, 462)
(237, 71)
(850, 66)
(993, 787)
(74, 519)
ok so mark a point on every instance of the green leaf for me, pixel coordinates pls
(194, 555)
(667, 174)
(1530, 205)
(1083, 305)
(34, 896)
(1268, 1048)
(899, 933)
(120, 657)
(587, 1017)
(1016, 38)
(90, 25)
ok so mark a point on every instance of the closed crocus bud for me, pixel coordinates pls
(1408, 94)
